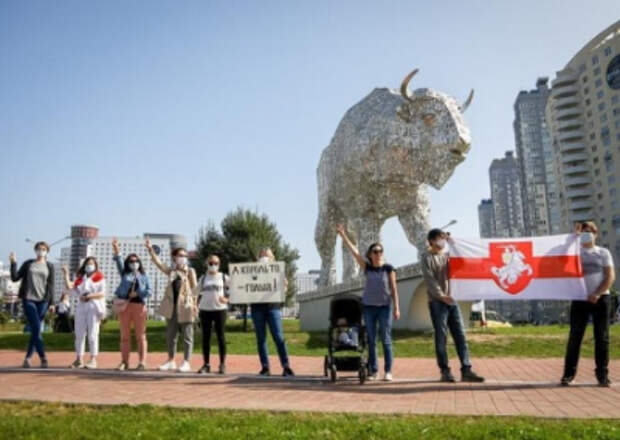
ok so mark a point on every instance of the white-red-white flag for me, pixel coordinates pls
(517, 268)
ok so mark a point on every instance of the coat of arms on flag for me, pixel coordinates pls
(521, 268)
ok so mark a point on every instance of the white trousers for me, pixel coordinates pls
(86, 323)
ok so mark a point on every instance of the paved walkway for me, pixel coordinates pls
(513, 387)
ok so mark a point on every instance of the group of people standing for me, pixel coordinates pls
(188, 299)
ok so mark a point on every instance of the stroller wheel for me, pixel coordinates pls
(333, 373)
(362, 374)
(326, 366)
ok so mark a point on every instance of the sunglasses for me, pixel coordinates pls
(213, 263)
(133, 261)
(377, 251)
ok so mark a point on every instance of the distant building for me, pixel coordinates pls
(8, 291)
(506, 193)
(486, 218)
(541, 212)
(81, 237)
(307, 282)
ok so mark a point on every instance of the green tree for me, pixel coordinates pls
(243, 234)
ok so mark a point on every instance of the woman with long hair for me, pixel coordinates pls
(130, 305)
(380, 301)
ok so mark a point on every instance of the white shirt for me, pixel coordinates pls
(211, 288)
(593, 262)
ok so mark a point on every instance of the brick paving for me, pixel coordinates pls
(514, 387)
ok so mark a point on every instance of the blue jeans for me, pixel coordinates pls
(383, 316)
(35, 313)
(448, 317)
(264, 315)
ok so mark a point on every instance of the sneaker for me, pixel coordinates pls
(388, 377)
(221, 369)
(567, 380)
(287, 372)
(206, 368)
(44, 363)
(185, 367)
(372, 377)
(168, 366)
(264, 372)
(446, 376)
(77, 364)
(91, 364)
(141, 366)
(26, 363)
(122, 366)
(470, 376)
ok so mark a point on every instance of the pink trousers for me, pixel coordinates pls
(135, 314)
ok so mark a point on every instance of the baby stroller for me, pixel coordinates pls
(346, 334)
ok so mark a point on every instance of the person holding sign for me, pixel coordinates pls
(178, 305)
(380, 302)
(598, 268)
(269, 315)
(213, 305)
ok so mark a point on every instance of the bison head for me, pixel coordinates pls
(436, 121)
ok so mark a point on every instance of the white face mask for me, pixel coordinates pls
(181, 261)
(264, 260)
(134, 266)
(213, 268)
(41, 253)
(586, 237)
(90, 268)
(441, 243)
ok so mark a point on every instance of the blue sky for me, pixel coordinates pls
(158, 116)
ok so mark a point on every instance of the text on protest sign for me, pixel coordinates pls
(257, 283)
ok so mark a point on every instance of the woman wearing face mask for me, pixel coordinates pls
(269, 315)
(37, 294)
(213, 304)
(89, 290)
(380, 302)
(599, 275)
(130, 305)
(178, 306)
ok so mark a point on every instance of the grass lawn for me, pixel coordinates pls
(521, 341)
(30, 420)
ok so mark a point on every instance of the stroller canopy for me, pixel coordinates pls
(348, 307)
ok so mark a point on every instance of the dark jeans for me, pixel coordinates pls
(209, 319)
(35, 313)
(448, 317)
(264, 315)
(580, 312)
(381, 315)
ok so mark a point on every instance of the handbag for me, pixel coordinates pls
(120, 304)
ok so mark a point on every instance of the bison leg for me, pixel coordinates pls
(415, 223)
(368, 232)
(325, 239)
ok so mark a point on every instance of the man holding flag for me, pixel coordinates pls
(445, 313)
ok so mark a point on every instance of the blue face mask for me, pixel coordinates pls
(586, 237)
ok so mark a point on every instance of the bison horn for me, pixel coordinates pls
(467, 101)
(404, 87)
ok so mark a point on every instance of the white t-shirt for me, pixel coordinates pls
(593, 260)
(211, 288)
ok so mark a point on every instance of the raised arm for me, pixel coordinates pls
(16, 275)
(351, 247)
(65, 277)
(118, 259)
(156, 261)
